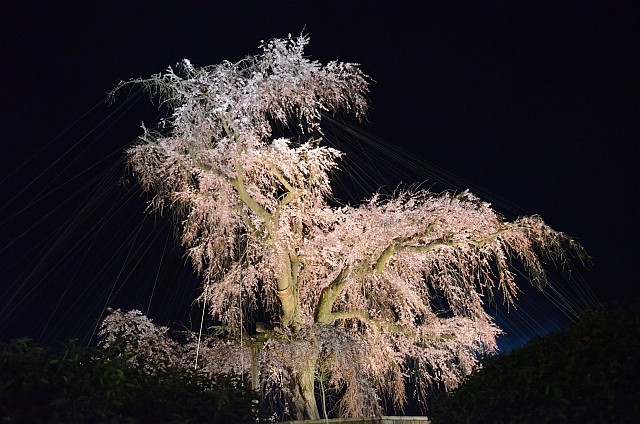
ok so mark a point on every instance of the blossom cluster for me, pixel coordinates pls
(360, 297)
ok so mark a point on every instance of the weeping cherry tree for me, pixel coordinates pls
(359, 300)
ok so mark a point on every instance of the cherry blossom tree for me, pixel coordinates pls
(359, 299)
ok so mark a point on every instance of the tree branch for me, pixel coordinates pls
(291, 190)
(329, 295)
(478, 243)
(238, 184)
(386, 255)
(288, 294)
(287, 185)
(364, 316)
(396, 246)
(235, 135)
(246, 219)
(286, 200)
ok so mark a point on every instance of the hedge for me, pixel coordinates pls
(76, 384)
(589, 373)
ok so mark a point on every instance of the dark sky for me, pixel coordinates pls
(532, 102)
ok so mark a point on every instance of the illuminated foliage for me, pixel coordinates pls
(357, 297)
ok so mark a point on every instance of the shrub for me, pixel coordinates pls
(589, 373)
(76, 384)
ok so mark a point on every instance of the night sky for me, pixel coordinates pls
(534, 104)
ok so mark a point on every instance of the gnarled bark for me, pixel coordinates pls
(303, 404)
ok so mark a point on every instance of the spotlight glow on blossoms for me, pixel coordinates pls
(349, 291)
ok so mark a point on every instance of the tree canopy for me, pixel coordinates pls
(358, 298)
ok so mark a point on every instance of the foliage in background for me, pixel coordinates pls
(76, 384)
(149, 347)
(589, 373)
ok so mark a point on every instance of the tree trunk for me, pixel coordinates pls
(304, 400)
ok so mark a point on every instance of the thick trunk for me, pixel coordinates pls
(288, 294)
(304, 401)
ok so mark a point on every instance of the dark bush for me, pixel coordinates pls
(589, 373)
(76, 384)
